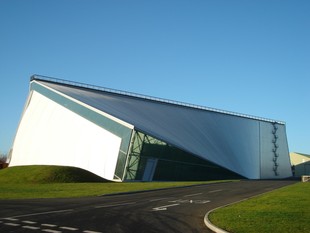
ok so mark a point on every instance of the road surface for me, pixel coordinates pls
(167, 211)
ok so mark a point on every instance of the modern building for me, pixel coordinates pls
(123, 136)
(300, 164)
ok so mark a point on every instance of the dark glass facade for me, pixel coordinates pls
(152, 159)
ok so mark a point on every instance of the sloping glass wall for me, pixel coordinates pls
(152, 159)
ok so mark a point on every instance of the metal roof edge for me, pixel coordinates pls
(146, 97)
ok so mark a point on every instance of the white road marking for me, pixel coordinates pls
(214, 191)
(201, 201)
(115, 205)
(69, 228)
(29, 222)
(11, 224)
(42, 213)
(160, 199)
(191, 201)
(11, 219)
(48, 225)
(51, 231)
(190, 195)
(31, 227)
(91, 231)
(181, 201)
(164, 207)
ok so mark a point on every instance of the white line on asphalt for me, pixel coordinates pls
(164, 207)
(200, 201)
(11, 219)
(48, 225)
(49, 212)
(115, 205)
(214, 191)
(70, 228)
(11, 224)
(190, 195)
(92, 231)
(29, 222)
(51, 231)
(31, 227)
(183, 201)
(160, 199)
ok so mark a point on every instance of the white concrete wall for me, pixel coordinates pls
(50, 134)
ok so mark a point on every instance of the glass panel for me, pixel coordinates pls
(134, 156)
(173, 163)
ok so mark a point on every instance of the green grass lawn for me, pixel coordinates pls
(38, 174)
(62, 190)
(56, 181)
(285, 210)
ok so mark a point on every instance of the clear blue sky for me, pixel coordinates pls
(250, 56)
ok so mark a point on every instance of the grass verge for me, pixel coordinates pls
(24, 182)
(285, 210)
(62, 190)
(39, 174)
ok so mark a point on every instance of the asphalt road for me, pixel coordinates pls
(170, 210)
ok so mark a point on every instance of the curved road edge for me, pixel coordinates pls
(217, 229)
(210, 225)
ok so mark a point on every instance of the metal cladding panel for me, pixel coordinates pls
(42, 140)
(275, 160)
(230, 141)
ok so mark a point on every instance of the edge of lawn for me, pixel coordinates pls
(217, 229)
(79, 190)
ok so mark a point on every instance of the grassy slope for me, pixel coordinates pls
(283, 210)
(54, 181)
(46, 174)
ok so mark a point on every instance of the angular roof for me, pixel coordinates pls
(225, 138)
(306, 155)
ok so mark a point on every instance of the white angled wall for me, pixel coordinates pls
(50, 134)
